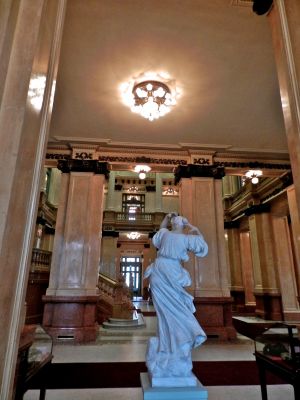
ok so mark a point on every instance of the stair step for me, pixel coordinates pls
(118, 323)
(133, 321)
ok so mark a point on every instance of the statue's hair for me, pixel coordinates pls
(178, 220)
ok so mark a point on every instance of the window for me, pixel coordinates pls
(133, 204)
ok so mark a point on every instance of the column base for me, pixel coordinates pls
(175, 393)
(71, 318)
(268, 306)
(239, 307)
(215, 316)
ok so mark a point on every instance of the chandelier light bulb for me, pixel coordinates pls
(149, 87)
(253, 174)
(142, 169)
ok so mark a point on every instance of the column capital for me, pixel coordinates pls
(110, 234)
(95, 166)
(257, 209)
(231, 224)
(192, 170)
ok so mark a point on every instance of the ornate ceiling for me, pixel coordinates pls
(219, 53)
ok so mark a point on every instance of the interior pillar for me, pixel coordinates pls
(266, 281)
(70, 300)
(286, 272)
(200, 199)
(110, 192)
(284, 21)
(295, 225)
(29, 50)
(237, 289)
(247, 270)
(158, 192)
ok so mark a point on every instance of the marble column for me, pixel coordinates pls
(247, 269)
(230, 185)
(266, 280)
(237, 290)
(295, 225)
(286, 272)
(158, 192)
(110, 192)
(200, 198)
(70, 301)
(284, 22)
(30, 36)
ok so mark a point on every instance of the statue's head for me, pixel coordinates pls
(178, 222)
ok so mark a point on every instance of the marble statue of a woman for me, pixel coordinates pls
(168, 357)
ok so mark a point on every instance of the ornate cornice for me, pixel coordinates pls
(251, 165)
(231, 224)
(142, 159)
(110, 234)
(57, 156)
(67, 166)
(193, 170)
(257, 209)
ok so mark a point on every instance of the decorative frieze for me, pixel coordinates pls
(148, 160)
(231, 224)
(251, 165)
(58, 156)
(192, 170)
(202, 161)
(67, 166)
(110, 233)
(83, 155)
(257, 209)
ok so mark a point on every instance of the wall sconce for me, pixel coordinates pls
(142, 169)
(253, 174)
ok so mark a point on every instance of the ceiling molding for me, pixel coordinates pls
(80, 139)
(241, 3)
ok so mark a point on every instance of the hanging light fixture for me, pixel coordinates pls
(152, 99)
(133, 235)
(151, 95)
(142, 170)
(253, 174)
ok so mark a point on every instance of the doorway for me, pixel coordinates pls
(131, 267)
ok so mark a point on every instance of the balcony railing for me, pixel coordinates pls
(122, 216)
(41, 259)
(116, 220)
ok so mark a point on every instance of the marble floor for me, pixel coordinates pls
(130, 345)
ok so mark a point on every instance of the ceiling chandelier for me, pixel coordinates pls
(151, 95)
(152, 99)
(253, 174)
(133, 235)
(142, 170)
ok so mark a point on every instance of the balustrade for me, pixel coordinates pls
(40, 259)
(123, 216)
(123, 220)
(115, 298)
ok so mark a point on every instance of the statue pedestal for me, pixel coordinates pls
(172, 393)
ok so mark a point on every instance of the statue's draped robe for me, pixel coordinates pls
(169, 354)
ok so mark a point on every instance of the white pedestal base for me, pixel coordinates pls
(172, 393)
(173, 382)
